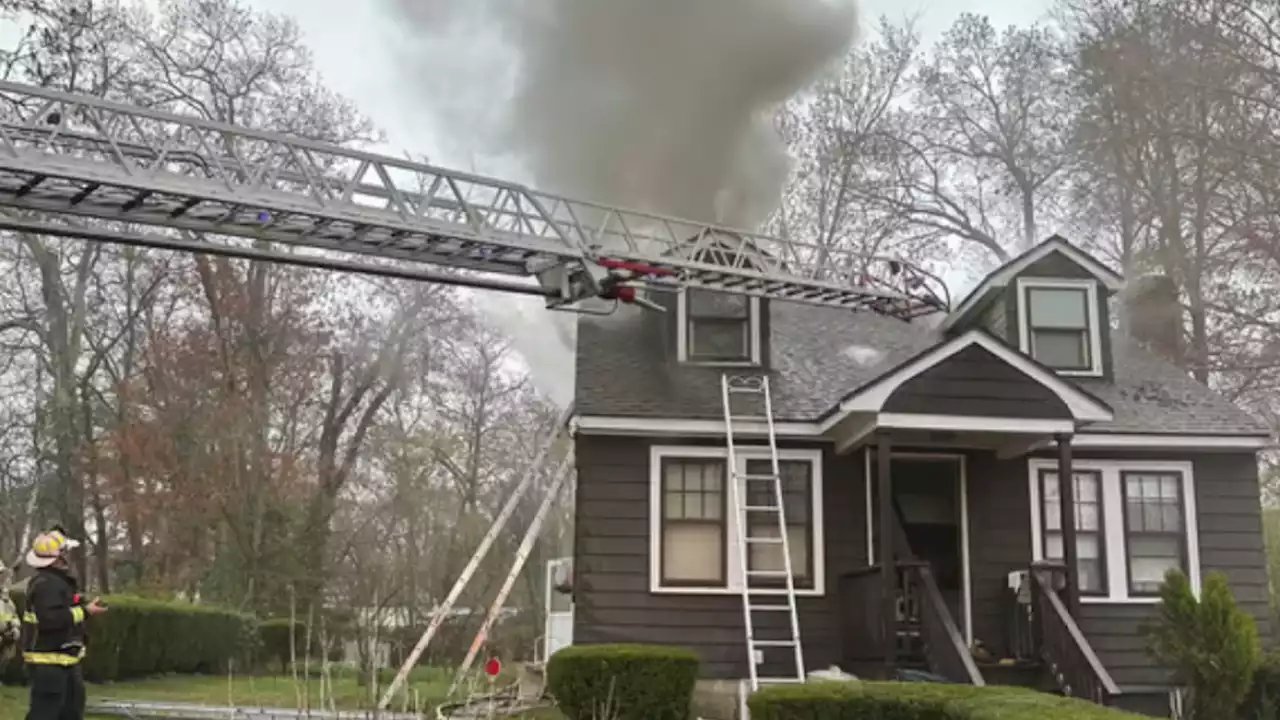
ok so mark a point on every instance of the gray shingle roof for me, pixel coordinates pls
(626, 368)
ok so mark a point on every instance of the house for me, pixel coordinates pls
(969, 423)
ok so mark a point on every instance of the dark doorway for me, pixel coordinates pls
(927, 499)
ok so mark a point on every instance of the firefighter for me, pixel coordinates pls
(53, 633)
(9, 625)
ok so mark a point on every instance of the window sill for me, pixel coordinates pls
(1080, 373)
(1106, 600)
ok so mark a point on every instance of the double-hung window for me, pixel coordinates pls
(797, 496)
(694, 528)
(1060, 324)
(695, 540)
(1154, 536)
(1090, 541)
(719, 327)
(1135, 520)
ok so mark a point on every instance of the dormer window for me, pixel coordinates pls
(1059, 324)
(719, 328)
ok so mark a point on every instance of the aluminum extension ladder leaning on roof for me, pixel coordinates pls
(744, 486)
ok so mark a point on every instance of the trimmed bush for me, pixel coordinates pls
(919, 701)
(634, 682)
(139, 637)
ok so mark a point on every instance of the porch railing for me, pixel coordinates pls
(1063, 648)
(944, 647)
(923, 623)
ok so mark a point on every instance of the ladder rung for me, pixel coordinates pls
(770, 608)
(765, 540)
(774, 643)
(760, 508)
(755, 476)
(780, 681)
(768, 573)
(751, 389)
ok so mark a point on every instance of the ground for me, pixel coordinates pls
(274, 691)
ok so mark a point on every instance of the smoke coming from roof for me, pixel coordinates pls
(658, 105)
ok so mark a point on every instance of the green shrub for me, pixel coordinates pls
(918, 701)
(1263, 700)
(139, 637)
(635, 682)
(1211, 644)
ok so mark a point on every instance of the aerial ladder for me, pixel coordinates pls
(80, 167)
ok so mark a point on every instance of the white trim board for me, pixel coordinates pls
(733, 584)
(1001, 277)
(966, 557)
(684, 427)
(1117, 563)
(871, 398)
(1092, 317)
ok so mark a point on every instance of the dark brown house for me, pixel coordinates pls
(968, 424)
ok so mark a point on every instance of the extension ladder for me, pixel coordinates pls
(760, 598)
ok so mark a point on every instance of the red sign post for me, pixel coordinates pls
(492, 667)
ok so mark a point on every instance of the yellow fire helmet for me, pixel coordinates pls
(47, 547)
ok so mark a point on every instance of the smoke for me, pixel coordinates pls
(658, 105)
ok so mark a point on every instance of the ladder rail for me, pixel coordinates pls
(783, 533)
(740, 508)
(504, 516)
(517, 565)
(64, 154)
(739, 529)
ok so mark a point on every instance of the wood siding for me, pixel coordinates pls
(611, 572)
(614, 604)
(975, 382)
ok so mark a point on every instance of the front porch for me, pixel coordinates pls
(936, 580)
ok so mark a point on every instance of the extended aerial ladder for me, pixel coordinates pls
(157, 179)
(81, 167)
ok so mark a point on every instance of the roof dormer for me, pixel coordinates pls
(1050, 303)
(718, 328)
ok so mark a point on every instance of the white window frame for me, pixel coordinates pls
(1116, 549)
(682, 334)
(1091, 313)
(733, 584)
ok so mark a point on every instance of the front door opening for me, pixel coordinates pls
(928, 500)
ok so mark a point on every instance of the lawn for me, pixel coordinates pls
(429, 684)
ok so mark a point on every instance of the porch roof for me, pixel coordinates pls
(980, 372)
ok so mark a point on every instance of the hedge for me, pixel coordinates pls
(138, 637)
(623, 682)
(919, 701)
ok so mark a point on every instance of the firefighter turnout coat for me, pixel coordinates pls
(53, 631)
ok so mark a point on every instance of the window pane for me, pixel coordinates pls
(1089, 572)
(1059, 349)
(1150, 558)
(693, 553)
(768, 557)
(1058, 308)
(693, 489)
(674, 505)
(705, 303)
(719, 340)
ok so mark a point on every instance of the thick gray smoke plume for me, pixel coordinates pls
(658, 105)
